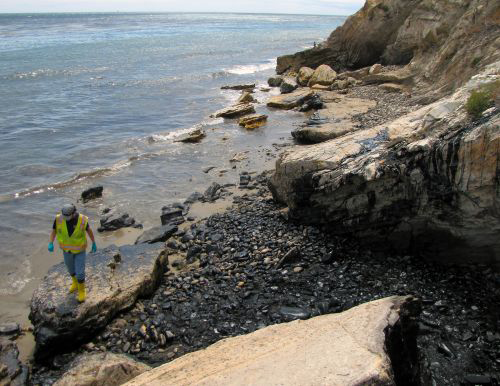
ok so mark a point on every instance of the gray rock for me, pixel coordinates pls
(292, 313)
(116, 221)
(304, 75)
(288, 85)
(157, 234)
(291, 100)
(212, 192)
(171, 214)
(275, 81)
(10, 329)
(192, 137)
(60, 321)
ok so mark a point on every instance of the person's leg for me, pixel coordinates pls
(80, 275)
(80, 266)
(69, 260)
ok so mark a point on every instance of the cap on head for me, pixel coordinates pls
(68, 210)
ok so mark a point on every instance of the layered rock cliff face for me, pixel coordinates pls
(443, 42)
(428, 181)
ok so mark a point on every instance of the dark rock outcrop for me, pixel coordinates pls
(114, 221)
(115, 278)
(92, 193)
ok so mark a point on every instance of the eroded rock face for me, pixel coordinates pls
(350, 345)
(101, 369)
(444, 42)
(427, 181)
(115, 278)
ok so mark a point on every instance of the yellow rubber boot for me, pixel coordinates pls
(74, 285)
(81, 292)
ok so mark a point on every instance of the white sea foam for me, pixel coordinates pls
(15, 281)
(251, 68)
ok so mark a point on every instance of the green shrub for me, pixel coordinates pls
(482, 99)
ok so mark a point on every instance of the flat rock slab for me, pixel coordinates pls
(101, 369)
(291, 100)
(334, 120)
(321, 133)
(115, 278)
(397, 76)
(193, 136)
(157, 234)
(253, 121)
(234, 111)
(336, 349)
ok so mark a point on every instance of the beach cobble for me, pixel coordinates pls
(249, 267)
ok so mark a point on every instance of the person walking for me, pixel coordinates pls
(71, 227)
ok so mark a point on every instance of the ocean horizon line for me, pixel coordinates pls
(164, 13)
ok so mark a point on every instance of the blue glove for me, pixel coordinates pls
(94, 247)
(51, 247)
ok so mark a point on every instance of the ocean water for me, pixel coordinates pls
(91, 99)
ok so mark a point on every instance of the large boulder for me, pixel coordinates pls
(426, 181)
(101, 369)
(288, 85)
(275, 81)
(371, 344)
(234, 111)
(115, 278)
(304, 75)
(291, 100)
(323, 75)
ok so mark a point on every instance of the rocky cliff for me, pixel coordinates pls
(427, 180)
(443, 42)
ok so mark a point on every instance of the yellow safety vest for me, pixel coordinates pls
(75, 243)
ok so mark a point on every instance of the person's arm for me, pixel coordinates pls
(51, 240)
(91, 235)
(52, 236)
